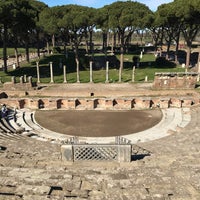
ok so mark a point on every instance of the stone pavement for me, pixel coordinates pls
(32, 170)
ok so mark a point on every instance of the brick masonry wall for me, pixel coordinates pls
(175, 80)
(102, 103)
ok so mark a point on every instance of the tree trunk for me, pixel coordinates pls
(65, 51)
(121, 63)
(188, 56)
(17, 57)
(141, 38)
(122, 45)
(38, 44)
(162, 37)
(48, 51)
(104, 42)
(113, 42)
(27, 51)
(168, 48)
(91, 42)
(77, 64)
(86, 43)
(53, 40)
(5, 34)
(108, 39)
(177, 48)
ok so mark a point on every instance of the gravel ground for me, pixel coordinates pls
(98, 123)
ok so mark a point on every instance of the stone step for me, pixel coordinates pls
(110, 184)
(20, 121)
(8, 125)
(12, 121)
(32, 169)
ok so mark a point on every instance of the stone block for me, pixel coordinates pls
(33, 103)
(99, 103)
(164, 102)
(69, 104)
(79, 193)
(85, 104)
(32, 190)
(124, 153)
(124, 104)
(142, 103)
(86, 185)
(109, 104)
(67, 152)
(50, 103)
(176, 102)
(186, 102)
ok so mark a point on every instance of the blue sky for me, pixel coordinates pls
(152, 4)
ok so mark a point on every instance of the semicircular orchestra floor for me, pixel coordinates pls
(98, 123)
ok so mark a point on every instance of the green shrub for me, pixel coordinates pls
(56, 50)
(162, 62)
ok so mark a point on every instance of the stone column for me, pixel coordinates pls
(133, 74)
(91, 80)
(146, 78)
(64, 74)
(13, 79)
(51, 72)
(25, 78)
(21, 79)
(38, 72)
(141, 54)
(77, 72)
(30, 80)
(186, 70)
(107, 72)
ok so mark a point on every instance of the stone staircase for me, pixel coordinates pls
(31, 169)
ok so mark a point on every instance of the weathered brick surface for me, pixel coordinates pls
(175, 80)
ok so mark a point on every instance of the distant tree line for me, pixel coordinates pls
(27, 22)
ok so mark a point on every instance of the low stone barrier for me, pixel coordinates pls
(96, 152)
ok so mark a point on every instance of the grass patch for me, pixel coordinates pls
(147, 67)
(11, 51)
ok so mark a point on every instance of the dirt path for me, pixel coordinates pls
(98, 123)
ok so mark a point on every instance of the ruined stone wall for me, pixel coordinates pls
(101, 103)
(23, 85)
(175, 80)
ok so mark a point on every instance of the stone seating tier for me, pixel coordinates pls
(32, 169)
